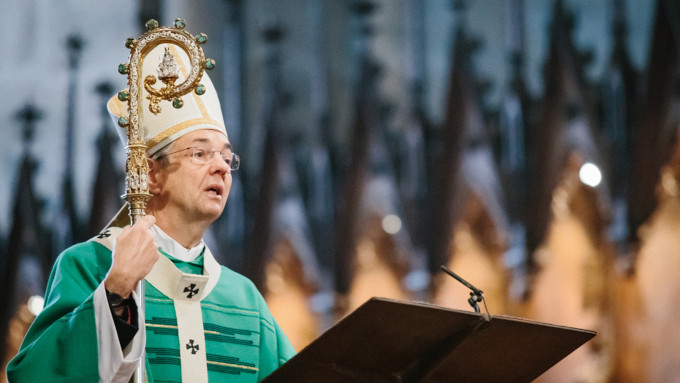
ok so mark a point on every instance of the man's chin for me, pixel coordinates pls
(213, 213)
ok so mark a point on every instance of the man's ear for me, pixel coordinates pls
(154, 178)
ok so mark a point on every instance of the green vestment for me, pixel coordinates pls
(242, 341)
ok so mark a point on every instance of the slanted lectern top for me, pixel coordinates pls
(393, 341)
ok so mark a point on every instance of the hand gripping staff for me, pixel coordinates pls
(136, 167)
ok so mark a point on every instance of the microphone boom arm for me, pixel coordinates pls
(476, 295)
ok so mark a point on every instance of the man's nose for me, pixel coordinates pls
(219, 164)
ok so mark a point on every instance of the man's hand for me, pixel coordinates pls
(134, 254)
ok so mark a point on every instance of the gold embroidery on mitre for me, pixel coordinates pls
(179, 127)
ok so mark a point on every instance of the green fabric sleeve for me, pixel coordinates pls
(61, 344)
(275, 347)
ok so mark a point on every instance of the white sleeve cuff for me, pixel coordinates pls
(116, 365)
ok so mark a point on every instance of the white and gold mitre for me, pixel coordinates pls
(197, 112)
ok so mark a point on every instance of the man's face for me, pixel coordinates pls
(188, 190)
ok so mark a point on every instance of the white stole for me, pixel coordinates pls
(187, 291)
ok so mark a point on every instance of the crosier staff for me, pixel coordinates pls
(136, 168)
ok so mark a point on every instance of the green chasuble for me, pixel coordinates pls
(230, 337)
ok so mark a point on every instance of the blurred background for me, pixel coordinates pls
(528, 145)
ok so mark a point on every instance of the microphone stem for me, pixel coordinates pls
(461, 280)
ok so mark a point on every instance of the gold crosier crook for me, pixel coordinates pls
(136, 167)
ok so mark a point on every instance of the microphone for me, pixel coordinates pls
(476, 295)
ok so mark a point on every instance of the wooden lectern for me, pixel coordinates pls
(406, 342)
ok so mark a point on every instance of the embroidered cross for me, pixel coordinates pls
(192, 346)
(104, 234)
(191, 290)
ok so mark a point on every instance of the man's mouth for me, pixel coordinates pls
(217, 189)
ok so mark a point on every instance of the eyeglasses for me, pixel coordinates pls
(201, 155)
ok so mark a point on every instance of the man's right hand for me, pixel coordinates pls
(134, 255)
